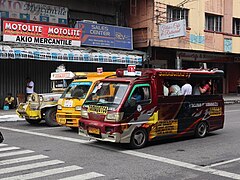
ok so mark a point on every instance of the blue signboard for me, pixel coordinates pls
(102, 35)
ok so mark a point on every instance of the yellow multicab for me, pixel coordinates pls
(69, 108)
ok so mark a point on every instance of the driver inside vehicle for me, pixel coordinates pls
(137, 95)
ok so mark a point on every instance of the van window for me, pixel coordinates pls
(141, 93)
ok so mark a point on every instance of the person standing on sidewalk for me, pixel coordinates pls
(29, 87)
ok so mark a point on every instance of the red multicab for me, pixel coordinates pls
(155, 116)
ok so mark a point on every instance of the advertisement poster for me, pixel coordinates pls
(101, 35)
(30, 11)
(40, 34)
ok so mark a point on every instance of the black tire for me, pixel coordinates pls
(139, 138)
(50, 117)
(33, 121)
(201, 130)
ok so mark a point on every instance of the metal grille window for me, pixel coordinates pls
(133, 7)
(213, 22)
(236, 26)
(175, 14)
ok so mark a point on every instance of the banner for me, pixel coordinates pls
(30, 11)
(20, 32)
(102, 35)
(81, 55)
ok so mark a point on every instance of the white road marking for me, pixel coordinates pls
(141, 155)
(22, 159)
(84, 176)
(229, 111)
(8, 148)
(44, 173)
(47, 128)
(30, 166)
(47, 135)
(1, 145)
(9, 116)
(15, 153)
(224, 162)
(182, 164)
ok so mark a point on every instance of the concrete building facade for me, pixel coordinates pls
(212, 35)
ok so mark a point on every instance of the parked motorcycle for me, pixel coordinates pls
(1, 137)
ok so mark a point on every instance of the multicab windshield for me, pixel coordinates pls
(77, 90)
(107, 94)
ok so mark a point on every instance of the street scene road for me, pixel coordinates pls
(43, 152)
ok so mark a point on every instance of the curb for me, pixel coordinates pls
(231, 102)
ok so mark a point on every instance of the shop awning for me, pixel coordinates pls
(70, 54)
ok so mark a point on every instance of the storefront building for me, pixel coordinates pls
(189, 34)
(37, 37)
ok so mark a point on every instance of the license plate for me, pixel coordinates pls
(68, 103)
(98, 109)
(93, 130)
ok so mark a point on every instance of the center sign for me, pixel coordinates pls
(41, 34)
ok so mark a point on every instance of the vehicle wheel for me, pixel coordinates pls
(201, 130)
(50, 117)
(33, 121)
(138, 138)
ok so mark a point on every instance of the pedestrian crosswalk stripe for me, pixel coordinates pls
(8, 148)
(3, 145)
(84, 176)
(44, 173)
(30, 166)
(22, 159)
(15, 153)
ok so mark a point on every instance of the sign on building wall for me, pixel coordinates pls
(40, 34)
(101, 35)
(56, 54)
(197, 39)
(30, 11)
(172, 29)
(227, 45)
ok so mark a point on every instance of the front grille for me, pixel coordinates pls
(69, 116)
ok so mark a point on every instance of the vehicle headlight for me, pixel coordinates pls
(114, 117)
(84, 113)
(78, 108)
(40, 98)
(59, 107)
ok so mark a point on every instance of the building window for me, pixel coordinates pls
(133, 7)
(175, 14)
(213, 22)
(236, 26)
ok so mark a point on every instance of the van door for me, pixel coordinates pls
(137, 106)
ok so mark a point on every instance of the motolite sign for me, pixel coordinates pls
(172, 29)
(40, 34)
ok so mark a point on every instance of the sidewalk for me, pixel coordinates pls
(228, 99)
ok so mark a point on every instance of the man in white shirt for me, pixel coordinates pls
(186, 89)
(29, 86)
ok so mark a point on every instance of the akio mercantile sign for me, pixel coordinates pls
(20, 32)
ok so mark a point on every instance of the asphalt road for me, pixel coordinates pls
(41, 152)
